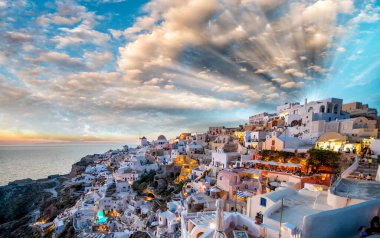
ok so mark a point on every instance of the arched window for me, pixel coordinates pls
(336, 109)
(322, 109)
(329, 108)
(310, 109)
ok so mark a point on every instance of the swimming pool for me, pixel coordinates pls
(101, 217)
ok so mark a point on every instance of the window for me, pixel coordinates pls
(336, 109)
(220, 178)
(263, 202)
(246, 186)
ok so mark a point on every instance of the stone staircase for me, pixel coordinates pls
(363, 167)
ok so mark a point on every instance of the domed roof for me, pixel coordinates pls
(161, 137)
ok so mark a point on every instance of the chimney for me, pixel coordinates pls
(305, 104)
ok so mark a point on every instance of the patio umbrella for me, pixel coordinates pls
(215, 190)
(219, 220)
(273, 163)
(275, 184)
(292, 165)
(256, 161)
(243, 194)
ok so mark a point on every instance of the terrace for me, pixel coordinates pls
(299, 205)
(366, 190)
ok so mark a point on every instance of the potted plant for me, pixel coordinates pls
(259, 218)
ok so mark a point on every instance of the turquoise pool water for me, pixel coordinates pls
(101, 217)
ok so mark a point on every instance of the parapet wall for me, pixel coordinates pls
(337, 201)
(351, 169)
(345, 220)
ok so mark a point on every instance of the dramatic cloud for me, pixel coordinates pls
(249, 43)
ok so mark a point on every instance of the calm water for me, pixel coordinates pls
(40, 160)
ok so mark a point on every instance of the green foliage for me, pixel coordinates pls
(145, 179)
(327, 158)
(148, 177)
(279, 156)
(179, 186)
(142, 186)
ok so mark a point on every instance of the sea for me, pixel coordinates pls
(39, 160)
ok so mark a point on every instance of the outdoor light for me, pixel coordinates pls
(212, 225)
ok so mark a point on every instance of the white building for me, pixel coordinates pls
(200, 138)
(261, 119)
(167, 223)
(307, 117)
(375, 147)
(126, 174)
(215, 130)
(174, 154)
(181, 147)
(122, 186)
(222, 160)
(164, 159)
(161, 142)
(202, 224)
(285, 142)
(143, 141)
(194, 148)
(306, 212)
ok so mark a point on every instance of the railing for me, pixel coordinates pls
(297, 234)
(335, 185)
(351, 169)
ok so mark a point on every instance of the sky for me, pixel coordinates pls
(115, 70)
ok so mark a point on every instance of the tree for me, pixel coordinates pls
(320, 158)
(145, 179)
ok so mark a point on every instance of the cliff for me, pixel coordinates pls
(27, 201)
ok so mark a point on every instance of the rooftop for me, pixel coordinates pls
(360, 189)
(299, 205)
(201, 218)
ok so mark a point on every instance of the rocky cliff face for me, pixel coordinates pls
(19, 200)
(27, 201)
(81, 165)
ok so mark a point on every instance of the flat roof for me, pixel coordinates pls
(201, 218)
(360, 189)
(297, 206)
